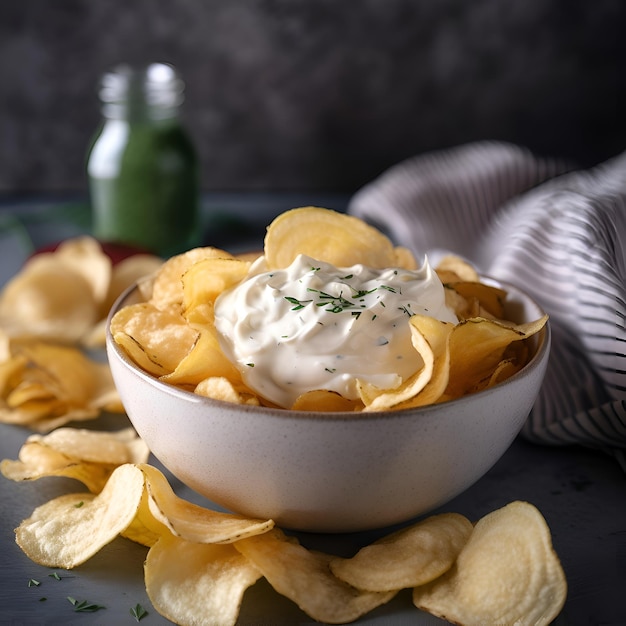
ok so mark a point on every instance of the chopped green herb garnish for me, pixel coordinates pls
(33, 583)
(55, 576)
(84, 606)
(336, 304)
(250, 364)
(79, 504)
(138, 612)
(322, 294)
(339, 303)
(297, 303)
(362, 292)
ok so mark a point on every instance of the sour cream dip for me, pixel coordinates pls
(315, 326)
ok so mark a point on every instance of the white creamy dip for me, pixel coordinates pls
(315, 326)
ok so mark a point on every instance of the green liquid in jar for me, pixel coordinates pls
(143, 177)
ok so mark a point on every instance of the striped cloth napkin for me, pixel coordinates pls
(559, 234)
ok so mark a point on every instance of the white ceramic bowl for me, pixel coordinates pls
(330, 472)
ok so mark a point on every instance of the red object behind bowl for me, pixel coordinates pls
(115, 251)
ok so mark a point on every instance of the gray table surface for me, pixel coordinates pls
(581, 493)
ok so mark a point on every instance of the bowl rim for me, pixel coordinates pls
(541, 352)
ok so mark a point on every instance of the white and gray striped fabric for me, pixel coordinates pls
(559, 234)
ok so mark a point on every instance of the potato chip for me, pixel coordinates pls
(221, 388)
(160, 340)
(106, 397)
(34, 384)
(137, 353)
(5, 351)
(85, 455)
(113, 448)
(167, 287)
(11, 369)
(38, 461)
(64, 295)
(437, 334)
(430, 338)
(305, 578)
(70, 529)
(77, 378)
(452, 268)
(337, 238)
(48, 301)
(505, 369)
(249, 257)
(206, 279)
(405, 258)
(201, 316)
(127, 272)
(193, 522)
(489, 299)
(134, 269)
(375, 399)
(507, 573)
(408, 557)
(477, 346)
(45, 386)
(324, 400)
(156, 339)
(108, 278)
(205, 360)
(85, 256)
(462, 307)
(195, 584)
(136, 502)
(144, 528)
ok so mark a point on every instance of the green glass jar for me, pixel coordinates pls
(142, 166)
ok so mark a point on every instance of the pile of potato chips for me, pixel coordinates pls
(172, 335)
(50, 312)
(502, 569)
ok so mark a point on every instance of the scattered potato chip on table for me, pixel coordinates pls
(508, 573)
(305, 577)
(197, 584)
(200, 562)
(51, 312)
(64, 296)
(408, 557)
(44, 386)
(86, 455)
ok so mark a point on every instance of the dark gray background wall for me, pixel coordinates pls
(316, 94)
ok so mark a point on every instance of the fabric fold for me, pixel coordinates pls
(557, 233)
